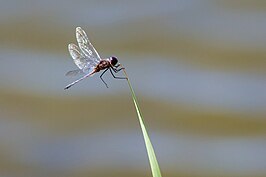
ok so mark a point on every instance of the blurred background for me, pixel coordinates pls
(198, 68)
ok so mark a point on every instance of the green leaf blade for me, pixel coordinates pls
(151, 154)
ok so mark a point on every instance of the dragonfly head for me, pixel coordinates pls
(113, 60)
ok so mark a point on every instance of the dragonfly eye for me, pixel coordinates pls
(113, 60)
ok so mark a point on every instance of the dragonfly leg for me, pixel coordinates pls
(102, 78)
(116, 72)
(118, 66)
(115, 68)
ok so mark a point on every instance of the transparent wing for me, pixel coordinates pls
(83, 63)
(74, 72)
(86, 47)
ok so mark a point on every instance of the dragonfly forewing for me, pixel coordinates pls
(86, 47)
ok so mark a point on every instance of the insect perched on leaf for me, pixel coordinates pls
(89, 61)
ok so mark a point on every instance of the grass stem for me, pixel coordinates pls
(155, 169)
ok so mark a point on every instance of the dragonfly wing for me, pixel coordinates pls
(83, 63)
(74, 72)
(86, 47)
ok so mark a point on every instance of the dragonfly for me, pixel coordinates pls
(89, 61)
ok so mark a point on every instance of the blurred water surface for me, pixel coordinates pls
(198, 68)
